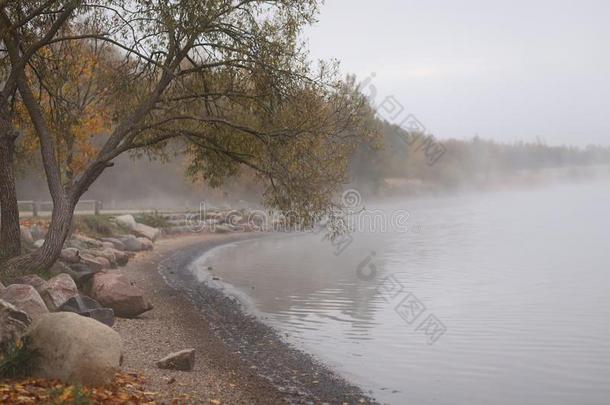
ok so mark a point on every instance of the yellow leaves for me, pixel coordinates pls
(125, 389)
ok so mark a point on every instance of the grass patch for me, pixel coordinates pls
(17, 361)
(154, 220)
(98, 226)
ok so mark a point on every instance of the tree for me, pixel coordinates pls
(227, 78)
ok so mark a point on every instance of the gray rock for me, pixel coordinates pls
(81, 273)
(92, 261)
(183, 360)
(132, 244)
(86, 306)
(146, 244)
(59, 290)
(38, 244)
(34, 280)
(116, 242)
(70, 255)
(126, 221)
(107, 254)
(122, 258)
(13, 324)
(146, 231)
(75, 349)
(86, 241)
(26, 299)
(222, 229)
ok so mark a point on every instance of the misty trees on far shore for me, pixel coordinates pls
(224, 81)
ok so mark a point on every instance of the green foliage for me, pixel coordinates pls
(155, 220)
(17, 361)
(98, 226)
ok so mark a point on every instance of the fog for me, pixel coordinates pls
(518, 70)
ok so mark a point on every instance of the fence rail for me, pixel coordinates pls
(38, 207)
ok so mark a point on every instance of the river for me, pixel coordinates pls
(491, 298)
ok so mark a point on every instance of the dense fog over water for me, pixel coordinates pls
(516, 279)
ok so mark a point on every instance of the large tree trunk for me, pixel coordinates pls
(43, 258)
(10, 235)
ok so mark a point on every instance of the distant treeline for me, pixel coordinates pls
(408, 161)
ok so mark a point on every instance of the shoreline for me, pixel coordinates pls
(239, 359)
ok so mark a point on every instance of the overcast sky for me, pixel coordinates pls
(501, 69)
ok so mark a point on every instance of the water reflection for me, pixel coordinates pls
(518, 278)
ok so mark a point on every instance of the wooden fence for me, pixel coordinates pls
(36, 208)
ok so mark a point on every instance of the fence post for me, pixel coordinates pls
(34, 208)
(98, 207)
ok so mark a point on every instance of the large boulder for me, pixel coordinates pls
(131, 243)
(127, 221)
(59, 290)
(146, 231)
(86, 306)
(26, 299)
(113, 290)
(34, 280)
(75, 349)
(183, 360)
(13, 324)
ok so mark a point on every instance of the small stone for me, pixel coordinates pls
(38, 244)
(183, 360)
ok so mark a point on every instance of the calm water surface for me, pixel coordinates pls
(520, 281)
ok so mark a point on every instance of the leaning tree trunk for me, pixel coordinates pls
(10, 235)
(43, 258)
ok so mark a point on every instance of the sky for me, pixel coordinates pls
(503, 70)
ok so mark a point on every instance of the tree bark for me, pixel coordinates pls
(43, 258)
(10, 234)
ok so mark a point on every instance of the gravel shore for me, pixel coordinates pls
(239, 360)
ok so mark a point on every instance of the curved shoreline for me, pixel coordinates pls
(239, 358)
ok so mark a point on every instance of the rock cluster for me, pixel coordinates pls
(71, 313)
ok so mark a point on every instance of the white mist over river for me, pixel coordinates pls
(520, 280)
